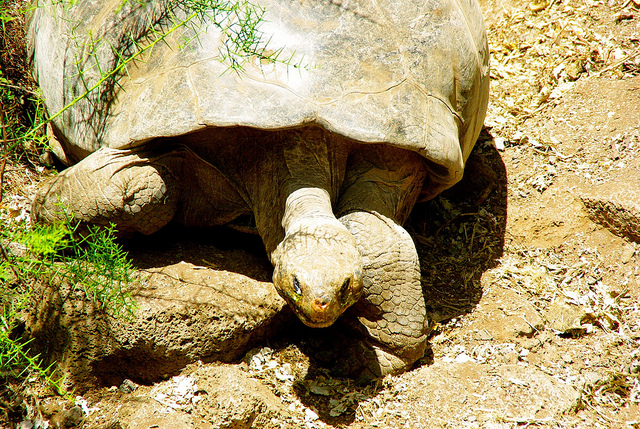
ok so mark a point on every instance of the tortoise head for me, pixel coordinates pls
(318, 271)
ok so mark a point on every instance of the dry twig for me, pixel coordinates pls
(631, 56)
(19, 88)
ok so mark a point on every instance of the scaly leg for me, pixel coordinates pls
(139, 190)
(390, 319)
(123, 187)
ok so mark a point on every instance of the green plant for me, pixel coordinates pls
(50, 253)
(101, 266)
(57, 254)
(15, 356)
(21, 109)
(21, 137)
(5, 17)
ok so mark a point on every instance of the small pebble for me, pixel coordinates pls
(622, 16)
(72, 417)
(628, 251)
(463, 357)
(128, 386)
(310, 415)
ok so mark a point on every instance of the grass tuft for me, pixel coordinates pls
(51, 254)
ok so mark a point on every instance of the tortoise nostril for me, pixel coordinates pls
(320, 304)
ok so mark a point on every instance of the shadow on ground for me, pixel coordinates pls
(460, 234)
(221, 248)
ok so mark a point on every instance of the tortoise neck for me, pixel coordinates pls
(308, 207)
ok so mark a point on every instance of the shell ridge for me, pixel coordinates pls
(333, 100)
(195, 96)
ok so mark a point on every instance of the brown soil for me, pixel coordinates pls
(537, 304)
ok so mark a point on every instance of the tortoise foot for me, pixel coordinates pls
(349, 355)
(364, 362)
(389, 324)
(118, 186)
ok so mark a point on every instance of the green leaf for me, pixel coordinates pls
(45, 240)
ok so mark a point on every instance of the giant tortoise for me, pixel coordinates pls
(380, 103)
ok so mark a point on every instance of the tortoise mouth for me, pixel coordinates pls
(316, 324)
(315, 319)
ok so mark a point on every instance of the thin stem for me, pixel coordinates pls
(19, 88)
(119, 67)
(5, 256)
(5, 155)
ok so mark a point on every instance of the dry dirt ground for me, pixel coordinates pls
(537, 295)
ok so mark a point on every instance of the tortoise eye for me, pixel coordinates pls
(296, 286)
(344, 291)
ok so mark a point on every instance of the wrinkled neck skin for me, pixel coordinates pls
(306, 207)
(317, 266)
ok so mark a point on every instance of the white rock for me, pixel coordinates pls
(463, 357)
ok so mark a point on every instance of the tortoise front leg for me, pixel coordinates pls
(140, 190)
(124, 187)
(390, 320)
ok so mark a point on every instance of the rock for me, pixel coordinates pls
(573, 70)
(616, 204)
(47, 158)
(209, 396)
(145, 413)
(486, 393)
(185, 314)
(500, 322)
(72, 417)
(233, 400)
(127, 386)
(566, 318)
